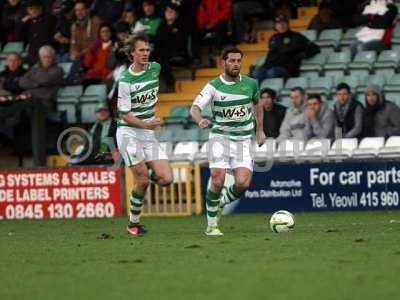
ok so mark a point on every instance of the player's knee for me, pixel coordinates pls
(242, 184)
(165, 179)
(143, 182)
(218, 182)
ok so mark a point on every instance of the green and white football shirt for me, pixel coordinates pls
(138, 93)
(231, 105)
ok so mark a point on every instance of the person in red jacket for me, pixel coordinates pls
(213, 17)
(96, 58)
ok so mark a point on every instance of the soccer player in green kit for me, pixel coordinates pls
(137, 97)
(237, 118)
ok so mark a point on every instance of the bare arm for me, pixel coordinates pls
(260, 134)
(198, 118)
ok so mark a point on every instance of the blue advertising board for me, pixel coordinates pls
(320, 187)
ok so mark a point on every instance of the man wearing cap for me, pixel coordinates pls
(37, 29)
(286, 50)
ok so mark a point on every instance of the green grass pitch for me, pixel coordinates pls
(328, 256)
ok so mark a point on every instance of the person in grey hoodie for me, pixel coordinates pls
(381, 117)
(293, 124)
(320, 119)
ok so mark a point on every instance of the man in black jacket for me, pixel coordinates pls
(9, 78)
(286, 50)
(273, 113)
(348, 112)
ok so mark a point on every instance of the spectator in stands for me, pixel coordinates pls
(286, 50)
(274, 113)
(129, 16)
(11, 16)
(9, 78)
(150, 23)
(109, 11)
(213, 18)
(293, 125)
(37, 29)
(96, 59)
(320, 119)
(63, 32)
(242, 10)
(104, 148)
(171, 35)
(325, 18)
(381, 117)
(348, 112)
(42, 81)
(83, 31)
(377, 21)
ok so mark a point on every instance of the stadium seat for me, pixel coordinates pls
(88, 112)
(331, 103)
(273, 83)
(68, 101)
(352, 80)
(289, 150)
(337, 63)
(387, 63)
(294, 82)
(310, 34)
(266, 151)
(361, 98)
(362, 63)
(343, 148)
(370, 79)
(369, 147)
(187, 135)
(2, 65)
(393, 84)
(396, 36)
(316, 149)
(94, 93)
(66, 66)
(321, 85)
(185, 151)
(260, 60)
(10, 47)
(391, 148)
(204, 135)
(285, 100)
(178, 115)
(329, 39)
(348, 38)
(164, 135)
(206, 112)
(312, 67)
(202, 154)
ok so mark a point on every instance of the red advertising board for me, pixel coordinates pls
(65, 193)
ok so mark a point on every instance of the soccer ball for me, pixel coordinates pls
(281, 221)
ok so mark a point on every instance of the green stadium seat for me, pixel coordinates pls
(321, 85)
(336, 64)
(387, 62)
(331, 103)
(368, 80)
(66, 66)
(329, 38)
(352, 80)
(260, 60)
(312, 67)
(393, 96)
(164, 135)
(178, 115)
(396, 36)
(310, 34)
(10, 47)
(285, 101)
(185, 135)
(294, 82)
(273, 83)
(2, 65)
(94, 93)
(348, 38)
(362, 63)
(88, 112)
(361, 98)
(204, 134)
(68, 101)
(393, 84)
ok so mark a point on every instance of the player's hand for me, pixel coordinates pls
(153, 123)
(205, 123)
(260, 136)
